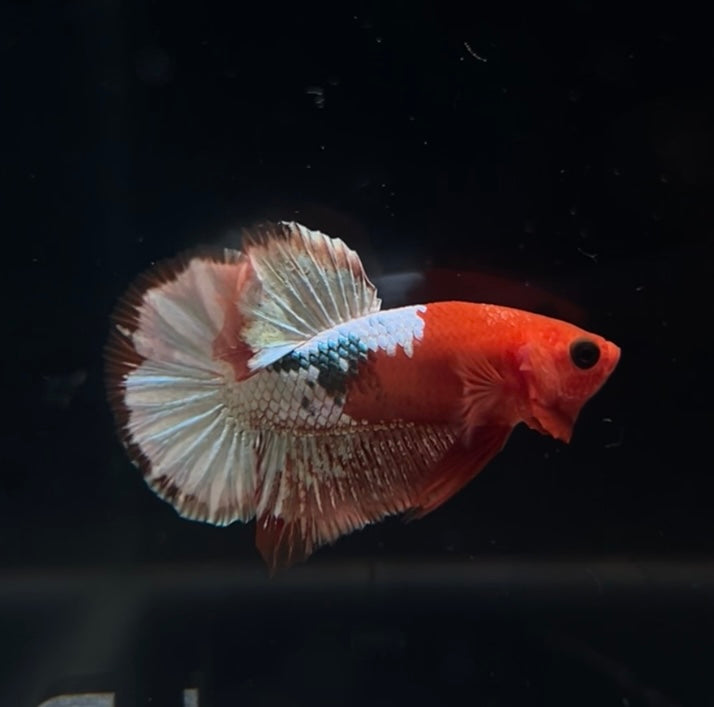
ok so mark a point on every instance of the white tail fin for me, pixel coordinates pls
(168, 391)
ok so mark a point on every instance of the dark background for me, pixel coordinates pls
(567, 145)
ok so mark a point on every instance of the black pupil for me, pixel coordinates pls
(585, 354)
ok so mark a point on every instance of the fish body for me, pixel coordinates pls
(267, 383)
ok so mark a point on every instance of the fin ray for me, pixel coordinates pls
(317, 488)
(304, 283)
(460, 465)
(168, 390)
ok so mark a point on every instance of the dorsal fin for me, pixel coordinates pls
(304, 283)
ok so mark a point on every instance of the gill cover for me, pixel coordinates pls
(549, 412)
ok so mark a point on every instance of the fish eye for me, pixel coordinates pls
(584, 353)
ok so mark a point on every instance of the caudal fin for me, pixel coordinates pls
(168, 390)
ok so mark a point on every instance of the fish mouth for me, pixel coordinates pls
(552, 421)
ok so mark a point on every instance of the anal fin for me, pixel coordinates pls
(317, 488)
(282, 543)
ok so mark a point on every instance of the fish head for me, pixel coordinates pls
(561, 367)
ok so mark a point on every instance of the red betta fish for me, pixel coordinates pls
(268, 384)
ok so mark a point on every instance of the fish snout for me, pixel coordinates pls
(612, 357)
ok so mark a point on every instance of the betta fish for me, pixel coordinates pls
(268, 384)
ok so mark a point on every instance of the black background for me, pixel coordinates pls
(568, 145)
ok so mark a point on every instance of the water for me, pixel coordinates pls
(575, 158)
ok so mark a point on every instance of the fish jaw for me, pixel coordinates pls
(551, 420)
